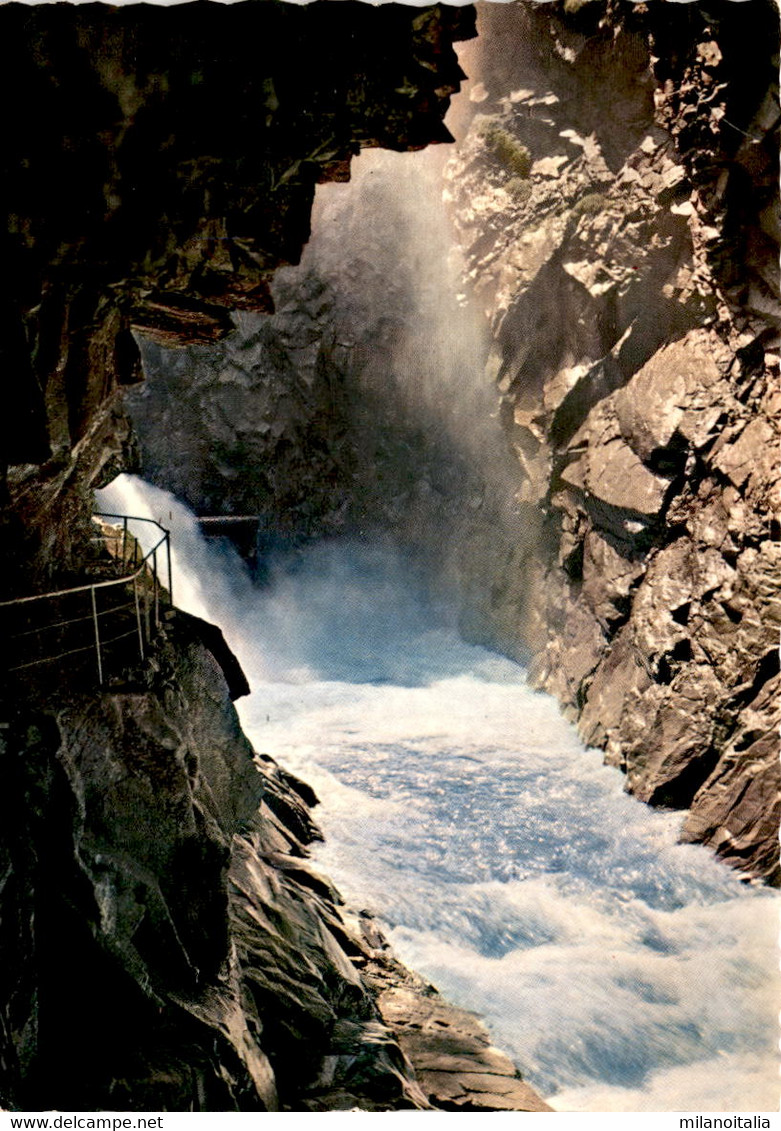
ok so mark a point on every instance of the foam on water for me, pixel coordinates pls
(623, 971)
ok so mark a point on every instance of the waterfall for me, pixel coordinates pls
(623, 971)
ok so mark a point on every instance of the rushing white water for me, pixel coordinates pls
(623, 971)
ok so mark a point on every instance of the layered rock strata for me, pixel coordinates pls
(616, 197)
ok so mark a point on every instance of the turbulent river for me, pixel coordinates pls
(621, 970)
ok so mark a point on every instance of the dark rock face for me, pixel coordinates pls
(119, 826)
(166, 944)
(156, 171)
(631, 280)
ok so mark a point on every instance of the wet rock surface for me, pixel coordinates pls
(455, 1065)
(157, 170)
(630, 277)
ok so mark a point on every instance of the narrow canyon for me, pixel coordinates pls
(445, 344)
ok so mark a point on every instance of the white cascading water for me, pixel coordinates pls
(621, 970)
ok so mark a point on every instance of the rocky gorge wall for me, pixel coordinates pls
(616, 198)
(353, 409)
(155, 879)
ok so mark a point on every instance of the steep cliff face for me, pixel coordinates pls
(166, 944)
(616, 197)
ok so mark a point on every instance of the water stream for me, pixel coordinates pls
(621, 970)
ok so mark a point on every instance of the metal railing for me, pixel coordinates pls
(144, 608)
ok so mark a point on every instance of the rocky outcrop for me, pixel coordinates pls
(617, 199)
(457, 1068)
(166, 943)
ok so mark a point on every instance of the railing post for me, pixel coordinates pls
(97, 634)
(170, 571)
(156, 589)
(124, 540)
(138, 618)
